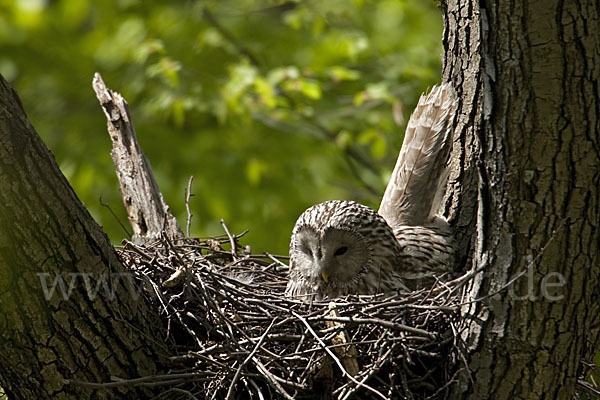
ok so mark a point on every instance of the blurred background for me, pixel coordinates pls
(272, 106)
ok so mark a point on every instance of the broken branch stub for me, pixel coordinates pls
(148, 213)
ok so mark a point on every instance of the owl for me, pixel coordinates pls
(341, 247)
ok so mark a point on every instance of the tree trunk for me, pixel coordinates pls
(69, 310)
(528, 142)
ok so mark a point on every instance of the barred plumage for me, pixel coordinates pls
(420, 174)
(342, 247)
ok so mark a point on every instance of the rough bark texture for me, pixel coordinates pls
(147, 210)
(48, 339)
(528, 134)
(462, 67)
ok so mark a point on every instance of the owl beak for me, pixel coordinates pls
(325, 276)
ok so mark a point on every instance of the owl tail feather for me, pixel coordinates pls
(415, 189)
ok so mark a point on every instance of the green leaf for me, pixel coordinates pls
(308, 87)
(339, 73)
(242, 76)
(266, 92)
(344, 139)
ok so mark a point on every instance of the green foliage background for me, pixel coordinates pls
(271, 105)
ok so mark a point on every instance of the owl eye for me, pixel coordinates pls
(340, 251)
(306, 250)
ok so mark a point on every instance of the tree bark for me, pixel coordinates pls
(54, 338)
(528, 162)
(147, 210)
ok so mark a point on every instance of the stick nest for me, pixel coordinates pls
(234, 334)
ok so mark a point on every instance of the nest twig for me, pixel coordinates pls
(234, 334)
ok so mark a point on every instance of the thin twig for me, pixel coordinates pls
(367, 376)
(243, 364)
(377, 321)
(232, 240)
(272, 379)
(103, 204)
(334, 357)
(188, 194)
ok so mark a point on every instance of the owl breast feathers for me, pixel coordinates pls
(342, 247)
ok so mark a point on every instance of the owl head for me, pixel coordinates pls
(338, 248)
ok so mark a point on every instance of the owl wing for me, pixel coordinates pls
(427, 254)
(419, 174)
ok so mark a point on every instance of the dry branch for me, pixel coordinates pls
(147, 210)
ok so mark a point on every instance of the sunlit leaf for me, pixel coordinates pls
(122, 46)
(344, 139)
(266, 92)
(308, 87)
(211, 37)
(29, 13)
(294, 19)
(242, 76)
(339, 73)
(148, 48)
